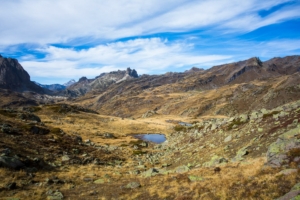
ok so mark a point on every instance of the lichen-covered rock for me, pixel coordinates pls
(182, 169)
(215, 160)
(133, 185)
(228, 138)
(150, 172)
(243, 118)
(99, 181)
(277, 154)
(242, 152)
(195, 178)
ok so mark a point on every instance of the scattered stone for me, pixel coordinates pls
(166, 165)
(99, 181)
(182, 169)
(228, 138)
(242, 152)
(55, 196)
(109, 135)
(133, 185)
(244, 118)
(39, 130)
(65, 158)
(150, 172)
(195, 178)
(87, 179)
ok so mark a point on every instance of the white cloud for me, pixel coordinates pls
(145, 55)
(55, 21)
(250, 22)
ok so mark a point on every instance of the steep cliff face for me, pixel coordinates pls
(15, 78)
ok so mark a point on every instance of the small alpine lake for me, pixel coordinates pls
(153, 137)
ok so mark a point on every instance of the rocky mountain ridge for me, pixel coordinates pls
(100, 83)
(221, 90)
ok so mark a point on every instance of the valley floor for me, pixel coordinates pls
(73, 153)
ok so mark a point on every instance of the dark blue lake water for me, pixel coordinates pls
(156, 138)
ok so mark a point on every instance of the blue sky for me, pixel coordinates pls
(58, 40)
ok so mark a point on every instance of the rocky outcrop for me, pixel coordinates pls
(132, 73)
(15, 78)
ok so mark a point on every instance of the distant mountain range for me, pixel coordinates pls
(127, 83)
(56, 87)
(53, 87)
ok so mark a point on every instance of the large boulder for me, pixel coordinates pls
(39, 130)
(278, 152)
(29, 116)
(11, 162)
